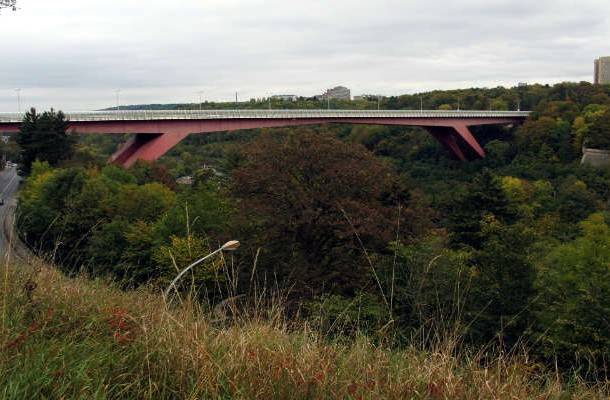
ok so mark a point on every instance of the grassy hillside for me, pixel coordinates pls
(78, 338)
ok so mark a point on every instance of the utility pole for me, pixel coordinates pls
(421, 103)
(378, 102)
(18, 90)
(236, 98)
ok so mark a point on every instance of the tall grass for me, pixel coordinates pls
(79, 338)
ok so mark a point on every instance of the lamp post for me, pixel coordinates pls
(118, 99)
(200, 99)
(229, 246)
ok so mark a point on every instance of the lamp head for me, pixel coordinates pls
(230, 245)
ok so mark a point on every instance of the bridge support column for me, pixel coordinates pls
(471, 141)
(447, 136)
(147, 147)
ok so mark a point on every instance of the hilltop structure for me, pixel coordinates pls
(337, 93)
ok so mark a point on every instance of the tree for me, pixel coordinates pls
(574, 303)
(316, 203)
(534, 134)
(502, 284)
(485, 197)
(43, 137)
(431, 284)
(181, 252)
(598, 132)
(575, 201)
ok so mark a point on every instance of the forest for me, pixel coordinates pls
(358, 229)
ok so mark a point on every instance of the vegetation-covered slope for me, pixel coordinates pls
(79, 338)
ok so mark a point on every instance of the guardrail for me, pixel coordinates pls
(146, 115)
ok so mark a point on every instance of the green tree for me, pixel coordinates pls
(43, 137)
(575, 201)
(502, 284)
(181, 252)
(574, 303)
(428, 285)
(598, 132)
(485, 196)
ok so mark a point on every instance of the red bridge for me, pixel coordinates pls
(156, 132)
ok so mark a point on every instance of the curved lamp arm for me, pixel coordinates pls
(229, 246)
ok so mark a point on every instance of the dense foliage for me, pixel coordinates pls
(373, 226)
(325, 200)
(108, 222)
(43, 137)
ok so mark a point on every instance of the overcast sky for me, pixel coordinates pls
(74, 54)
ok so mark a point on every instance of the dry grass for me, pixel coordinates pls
(77, 338)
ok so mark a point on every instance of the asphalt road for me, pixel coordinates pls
(9, 183)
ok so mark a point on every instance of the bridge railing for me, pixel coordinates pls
(146, 115)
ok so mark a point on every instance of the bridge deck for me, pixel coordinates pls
(157, 131)
(150, 115)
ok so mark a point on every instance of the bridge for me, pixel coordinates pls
(156, 132)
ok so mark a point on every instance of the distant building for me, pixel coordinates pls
(601, 74)
(285, 97)
(337, 93)
(595, 157)
(185, 180)
(522, 84)
(369, 97)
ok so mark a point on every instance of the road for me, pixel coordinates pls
(9, 183)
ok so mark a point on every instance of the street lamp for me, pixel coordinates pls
(200, 99)
(118, 99)
(229, 246)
